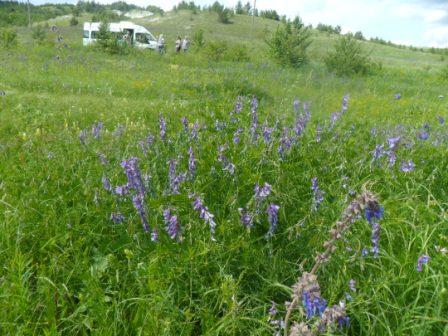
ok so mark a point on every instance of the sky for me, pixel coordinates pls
(410, 22)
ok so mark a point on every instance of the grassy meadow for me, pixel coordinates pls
(70, 115)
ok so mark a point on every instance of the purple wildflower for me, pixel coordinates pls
(185, 124)
(96, 129)
(106, 183)
(393, 142)
(155, 235)
(423, 259)
(254, 117)
(423, 135)
(285, 142)
(314, 305)
(352, 285)
(171, 223)
(333, 118)
(162, 127)
(397, 96)
(373, 213)
(133, 174)
(272, 211)
(236, 135)
(147, 143)
(407, 166)
(378, 152)
(191, 162)
(194, 131)
(122, 190)
(296, 105)
(245, 218)
(262, 192)
(318, 195)
(267, 131)
(441, 120)
(137, 200)
(205, 215)
(117, 218)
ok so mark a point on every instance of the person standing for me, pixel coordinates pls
(185, 44)
(161, 44)
(178, 44)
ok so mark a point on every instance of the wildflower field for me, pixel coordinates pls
(143, 194)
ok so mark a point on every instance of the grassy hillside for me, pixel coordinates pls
(69, 269)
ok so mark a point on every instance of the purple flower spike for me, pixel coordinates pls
(272, 211)
(103, 159)
(352, 285)
(162, 127)
(137, 200)
(185, 124)
(407, 166)
(245, 218)
(267, 131)
(374, 213)
(314, 305)
(106, 183)
(423, 135)
(117, 218)
(96, 129)
(318, 195)
(423, 259)
(397, 96)
(205, 215)
(345, 101)
(171, 223)
(262, 192)
(133, 174)
(441, 120)
(191, 162)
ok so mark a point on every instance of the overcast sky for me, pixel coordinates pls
(416, 22)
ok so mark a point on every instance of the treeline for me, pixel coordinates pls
(14, 13)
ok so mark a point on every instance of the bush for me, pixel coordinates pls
(237, 53)
(38, 34)
(215, 51)
(73, 21)
(289, 44)
(348, 58)
(222, 51)
(198, 39)
(224, 16)
(8, 38)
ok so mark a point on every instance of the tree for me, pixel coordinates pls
(247, 8)
(239, 8)
(348, 58)
(289, 44)
(359, 36)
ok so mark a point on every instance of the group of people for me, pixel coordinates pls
(180, 44)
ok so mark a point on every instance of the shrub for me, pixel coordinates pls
(8, 38)
(237, 53)
(289, 44)
(348, 58)
(224, 16)
(38, 34)
(198, 39)
(215, 51)
(73, 21)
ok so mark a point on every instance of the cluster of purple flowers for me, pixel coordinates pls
(204, 214)
(318, 194)
(374, 213)
(171, 224)
(174, 179)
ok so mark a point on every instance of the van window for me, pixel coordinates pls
(141, 38)
(86, 34)
(93, 34)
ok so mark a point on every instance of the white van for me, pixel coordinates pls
(129, 32)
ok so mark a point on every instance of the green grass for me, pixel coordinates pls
(68, 270)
